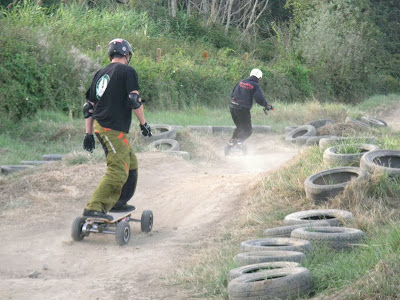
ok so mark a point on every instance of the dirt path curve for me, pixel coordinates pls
(392, 117)
(190, 202)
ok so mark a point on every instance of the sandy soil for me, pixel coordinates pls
(191, 202)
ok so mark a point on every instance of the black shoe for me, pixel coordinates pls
(96, 214)
(122, 208)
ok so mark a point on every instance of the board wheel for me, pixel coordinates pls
(76, 231)
(122, 233)
(147, 221)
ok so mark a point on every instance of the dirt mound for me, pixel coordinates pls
(342, 129)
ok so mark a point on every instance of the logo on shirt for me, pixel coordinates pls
(246, 86)
(101, 85)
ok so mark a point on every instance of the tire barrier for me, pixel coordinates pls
(9, 169)
(335, 217)
(161, 131)
(387, 161)
(325, 143)
(374, 122)
(256, 257)
(285, 231)
(275, 244)
(334, 237)
(272, 284)
(321, 186)
(250, 269)
(171, 145)
(333, 157)
(305, 130)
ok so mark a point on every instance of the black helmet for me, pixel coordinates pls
(120, 47)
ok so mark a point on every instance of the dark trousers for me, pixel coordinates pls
(242, 119)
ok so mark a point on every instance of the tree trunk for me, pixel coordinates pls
(228, 18)
(173, 8)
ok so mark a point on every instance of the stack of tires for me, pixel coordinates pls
(163, 139)
(307, 134)
(270, 268)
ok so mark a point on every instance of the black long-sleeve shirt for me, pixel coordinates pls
(244, 93)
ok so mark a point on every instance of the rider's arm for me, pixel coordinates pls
(139, 112)
(259, 97)
(89, 125)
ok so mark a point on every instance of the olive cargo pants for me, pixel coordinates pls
(119, 182)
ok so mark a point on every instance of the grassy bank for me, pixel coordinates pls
(51, 132)
(365, 272)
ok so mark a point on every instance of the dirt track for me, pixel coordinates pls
(190, 202)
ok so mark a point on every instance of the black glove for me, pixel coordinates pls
(88, 142)
(146, 130)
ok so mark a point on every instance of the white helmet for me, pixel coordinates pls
(257, 73)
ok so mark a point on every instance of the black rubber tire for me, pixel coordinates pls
(161, 131)
(271, 284)
(355, 121)
(146, 222)
(275, 244)
(373, 121)
(325, 143)
(285, 231)
(320, 123)
(174, 145)
(8, 169)
(76, 232)
(332, 157)
(321, 186)
(335, 217)
(256, 257)
(387, 161)
(334, 237)
(122, 233)
(255, 268)
(305, 130)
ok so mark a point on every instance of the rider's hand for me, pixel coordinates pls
(269, 107)
(146, 130)
(88, 142)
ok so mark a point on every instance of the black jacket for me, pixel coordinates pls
(244, 92)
